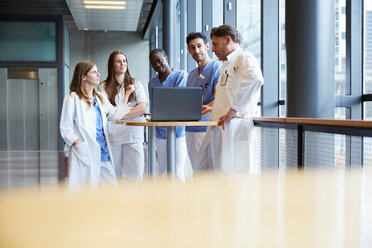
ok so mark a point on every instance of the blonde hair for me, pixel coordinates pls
(77, 82)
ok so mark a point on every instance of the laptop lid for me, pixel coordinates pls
(176, 103)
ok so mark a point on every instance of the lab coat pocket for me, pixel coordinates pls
(226, 79)
(81, 153)
(228, 82)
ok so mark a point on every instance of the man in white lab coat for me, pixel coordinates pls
(233, 142)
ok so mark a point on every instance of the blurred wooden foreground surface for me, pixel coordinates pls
(312, 209)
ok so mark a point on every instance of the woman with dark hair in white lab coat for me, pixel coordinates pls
(126, 141)
(83, 127)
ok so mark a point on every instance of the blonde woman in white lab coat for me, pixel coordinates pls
(83, 127)
(126, 141)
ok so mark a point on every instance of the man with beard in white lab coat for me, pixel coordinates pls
(233, 142)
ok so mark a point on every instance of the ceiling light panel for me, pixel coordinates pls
(106, 15)
(106, 2)
(104, 7)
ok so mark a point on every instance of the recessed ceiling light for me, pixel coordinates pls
(106, 2)
(103, 7)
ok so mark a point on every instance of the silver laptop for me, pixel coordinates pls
(176, 103)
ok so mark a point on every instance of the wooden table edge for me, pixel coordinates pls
(166, 123)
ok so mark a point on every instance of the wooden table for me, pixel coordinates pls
(171, 139)
(316, 209)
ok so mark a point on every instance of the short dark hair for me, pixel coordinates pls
(158, 50)
(196, 35)
(227, 30)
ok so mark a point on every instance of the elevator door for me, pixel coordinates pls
(28, 126)
(22, 115)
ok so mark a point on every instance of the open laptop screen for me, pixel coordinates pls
(176, 103)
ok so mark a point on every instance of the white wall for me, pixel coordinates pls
(96, 46)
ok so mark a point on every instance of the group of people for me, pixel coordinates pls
(102, 151)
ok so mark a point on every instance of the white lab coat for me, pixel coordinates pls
(78, 122)
(127, 141)
(234, 148)
(120, 133)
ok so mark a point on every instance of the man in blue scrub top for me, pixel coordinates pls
(168, 77)
(206, 76)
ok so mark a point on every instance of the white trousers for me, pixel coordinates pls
(161, 148)
(129, 160)
(107, 174)
(194, 141)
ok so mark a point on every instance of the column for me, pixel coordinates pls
(169, 20)
(310, 58)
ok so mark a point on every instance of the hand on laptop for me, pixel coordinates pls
(206, 109)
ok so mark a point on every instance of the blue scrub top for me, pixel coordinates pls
(176, 78)
(207, 79)
(101, 139)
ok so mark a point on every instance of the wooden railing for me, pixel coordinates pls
(313, 121)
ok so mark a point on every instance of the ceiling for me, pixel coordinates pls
(75, 15)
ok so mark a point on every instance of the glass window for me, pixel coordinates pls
(183, 41)
(367, 111)
(258, 111)
(282, 111)
(368, 48)
(154, 41)
(217, 13)
(27, 41)
(180, 33)
(177, 58)
(340, 48)
(66, 44)
(198, 16)
(249, 25)
(194, 24)
(283, 58)
(340, 113)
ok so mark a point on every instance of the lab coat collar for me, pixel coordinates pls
(234, 54)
